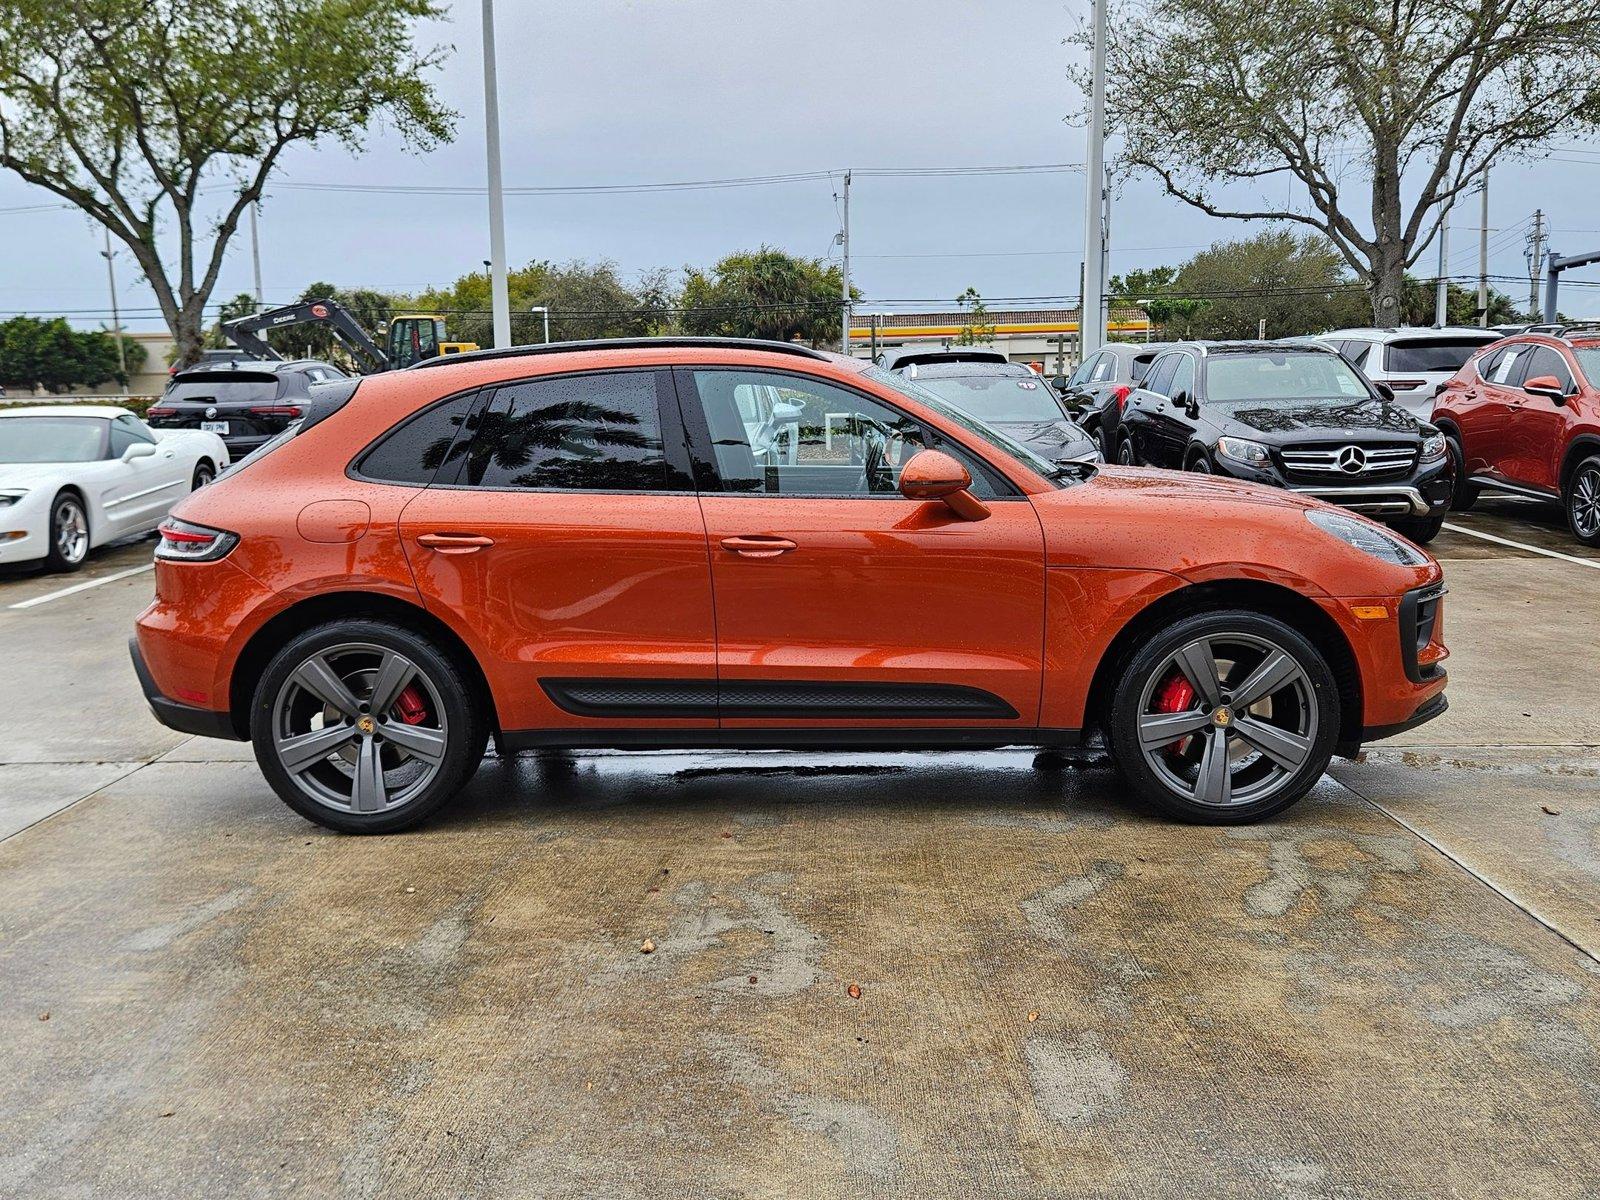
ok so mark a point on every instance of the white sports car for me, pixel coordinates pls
(73, 477)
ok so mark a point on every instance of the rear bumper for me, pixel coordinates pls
(185, 718)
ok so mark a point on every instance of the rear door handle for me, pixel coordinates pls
(454, 543)
(758, 545)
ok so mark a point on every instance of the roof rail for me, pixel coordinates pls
(633, 343)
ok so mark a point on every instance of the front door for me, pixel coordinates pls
(562, 538)
(142, 489)
(839, 602)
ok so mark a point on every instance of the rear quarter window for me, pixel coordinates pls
(414, 450)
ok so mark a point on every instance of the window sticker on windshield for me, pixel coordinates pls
(1026, 385)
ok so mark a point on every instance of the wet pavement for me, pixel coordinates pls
(1393, 990)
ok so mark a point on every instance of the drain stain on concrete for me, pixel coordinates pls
(1335, 880)
(1045, 911)
(868, 1143)
(1075, 1082)
(159, 937)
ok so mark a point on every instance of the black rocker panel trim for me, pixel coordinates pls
(924, 737)
(791, 699)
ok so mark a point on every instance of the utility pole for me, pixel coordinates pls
(844, 243)
(116, 320)
(1483, 251)
(500, 292)
(1091, 315)
(1535, 257)
(255, 252)
(1441, 300)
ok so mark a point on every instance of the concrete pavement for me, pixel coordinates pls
(1394, 990)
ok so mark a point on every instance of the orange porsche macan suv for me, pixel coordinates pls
(707, 543)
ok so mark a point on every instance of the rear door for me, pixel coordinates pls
(1487, 409)
(1537, 425)
(841, 603)
(562, 538)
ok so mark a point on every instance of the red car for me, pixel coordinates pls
(1523, 416)
(711, 543)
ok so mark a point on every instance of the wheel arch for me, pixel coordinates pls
(1583, 446)
(1270, 599)
(333, 606)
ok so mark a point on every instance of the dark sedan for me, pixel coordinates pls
(1011, 398)
(1293, 416)
(244, 403)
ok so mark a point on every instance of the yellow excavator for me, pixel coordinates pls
(410, 338)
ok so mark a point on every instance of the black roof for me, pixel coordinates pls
(637, 343)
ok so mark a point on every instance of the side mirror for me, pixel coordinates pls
(934, 475)
(1548, 386)
(138, 450)
(1059, 382)
(1385, 391)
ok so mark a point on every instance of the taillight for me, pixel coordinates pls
(160, 412)
(1406, 385)
(276, 410)
(184, 542)
(1121, 394)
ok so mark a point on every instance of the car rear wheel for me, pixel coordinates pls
(1223, 718)
(365, 727)
(69, 534)
(1463, 495)
(1125, 453)
(1583, 501)
(204, 473)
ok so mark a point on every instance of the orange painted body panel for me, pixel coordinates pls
(1022, 604)
(886, 589)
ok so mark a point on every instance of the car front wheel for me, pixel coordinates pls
(1583, 501)
(365, 727)
(1224, 717)
(69, 534)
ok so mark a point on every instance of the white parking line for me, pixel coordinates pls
(1489, 537)
(83, 587)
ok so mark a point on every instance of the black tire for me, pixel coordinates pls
(1278, 786)
(1581, 499)
(1463, 494)
(1420, 530)
(1125, 455)
(204, 472)
(461, 725)
(1200, 466)
(68, 545)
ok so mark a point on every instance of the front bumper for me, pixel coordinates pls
(185, 718)
(1425, 492)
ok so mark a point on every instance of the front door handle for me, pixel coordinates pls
(758, 545)
(454, 543)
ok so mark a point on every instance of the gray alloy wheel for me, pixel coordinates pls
(204, 473)
(347, 731)
(69, 534)
(1226, 720)
(1583, 502)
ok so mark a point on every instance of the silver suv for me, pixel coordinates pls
(1413, 362)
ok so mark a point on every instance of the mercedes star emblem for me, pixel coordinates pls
(1352, 459)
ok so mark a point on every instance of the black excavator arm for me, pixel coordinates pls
(246, 332)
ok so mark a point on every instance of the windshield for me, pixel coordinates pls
(1288, 376)
(997, 397)
(1589, 362)
(944, 408)
(51, 439)
(1434, 354)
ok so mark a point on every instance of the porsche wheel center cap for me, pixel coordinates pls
(1222, 717)
(367, 725)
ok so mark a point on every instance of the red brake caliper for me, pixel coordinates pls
(1176, 695)
(410, 706)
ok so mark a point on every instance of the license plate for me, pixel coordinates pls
(214, 426)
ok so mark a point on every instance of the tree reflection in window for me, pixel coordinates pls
(578, 433)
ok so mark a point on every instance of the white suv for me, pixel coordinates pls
(1413, 362)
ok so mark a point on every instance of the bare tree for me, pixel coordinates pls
(1393, 108)
(163, 119)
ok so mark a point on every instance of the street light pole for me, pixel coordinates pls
(116, 320)
(541, 308)
(1091, 317)
(255, 252)
(1441, 300)
(500, 293)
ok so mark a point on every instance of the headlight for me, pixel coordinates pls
(1433, 447)
(1242, 450)
(7, 499)
(1368, 538)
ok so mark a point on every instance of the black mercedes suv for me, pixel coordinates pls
(1289, 415)
(246, 403)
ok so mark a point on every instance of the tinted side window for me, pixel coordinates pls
(1159, 379)
(1183, 377)
(121, 438)
(1507, 366)
(1105, 369)
(420, 445)
(1545, 361)
(1085, 369)
(597, 432)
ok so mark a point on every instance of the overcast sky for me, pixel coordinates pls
(613, 91)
